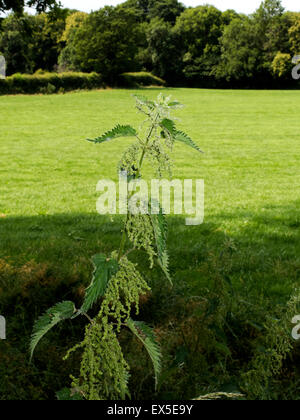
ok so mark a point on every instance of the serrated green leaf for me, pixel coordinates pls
(164, 264)
(184, 138)
(169, 126)
(118, 131)
(146, 335)
(54, 315)
(142, 100)
(104, 269)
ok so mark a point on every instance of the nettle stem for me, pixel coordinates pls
(147, 142)
(123, 243)
(145, 147)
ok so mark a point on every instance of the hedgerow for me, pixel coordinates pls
(140, 79)
(48, 83)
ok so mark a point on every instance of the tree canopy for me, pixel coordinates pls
(200, 46)
(17, 6)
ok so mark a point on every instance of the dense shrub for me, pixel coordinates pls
(140, 79)
(49, 82)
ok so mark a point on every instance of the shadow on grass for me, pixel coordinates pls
(262, 249)
(45, 259)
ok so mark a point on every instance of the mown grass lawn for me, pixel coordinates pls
(248, 248)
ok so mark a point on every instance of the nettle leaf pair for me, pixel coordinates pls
(168, 126)
(116, 284)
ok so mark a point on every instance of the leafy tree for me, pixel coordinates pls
(73, 22)
(16, 43)
(163, 46)
(32, 42)
(18, 5)
(194, 46)
(271, 31)
(67, 56)
(249, 44)
(167, 10)
(267, 11)
(107, 42)
(47, 40)
(282, 65)
(239, 59)
(199, 29)
(294, 33)
(228, 16)
(139, 7)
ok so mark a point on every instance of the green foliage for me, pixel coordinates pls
(48, 254)
(140, 79)
(282, 65)
(166, 10)
(146, 335)
(52, 317)
(115, 36)
(32, 42)
(271, 351)
(163, 51)
(294, 32)
(123, 294)
(249, 45)
(104, 269)
(73, 22)
(118, 131)
(46, 40)
(18, 5)
(240, 50)
(49, 83)
(104, 373)
(184, 138)
(66, 59)
(169, 129)
(140, 232)
(156, 42)
(16, 44)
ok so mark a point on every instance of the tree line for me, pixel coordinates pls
(199, 46)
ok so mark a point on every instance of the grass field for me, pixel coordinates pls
(247, 251)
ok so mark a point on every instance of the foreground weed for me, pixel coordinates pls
(117, 284)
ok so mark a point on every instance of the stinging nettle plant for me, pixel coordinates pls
(116, 284)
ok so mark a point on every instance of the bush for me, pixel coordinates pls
(140, 79)
(49, 82)
(282, 65)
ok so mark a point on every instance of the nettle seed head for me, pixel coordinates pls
(123, 294)
(160, 158)
(130, 159)
(140, 232)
